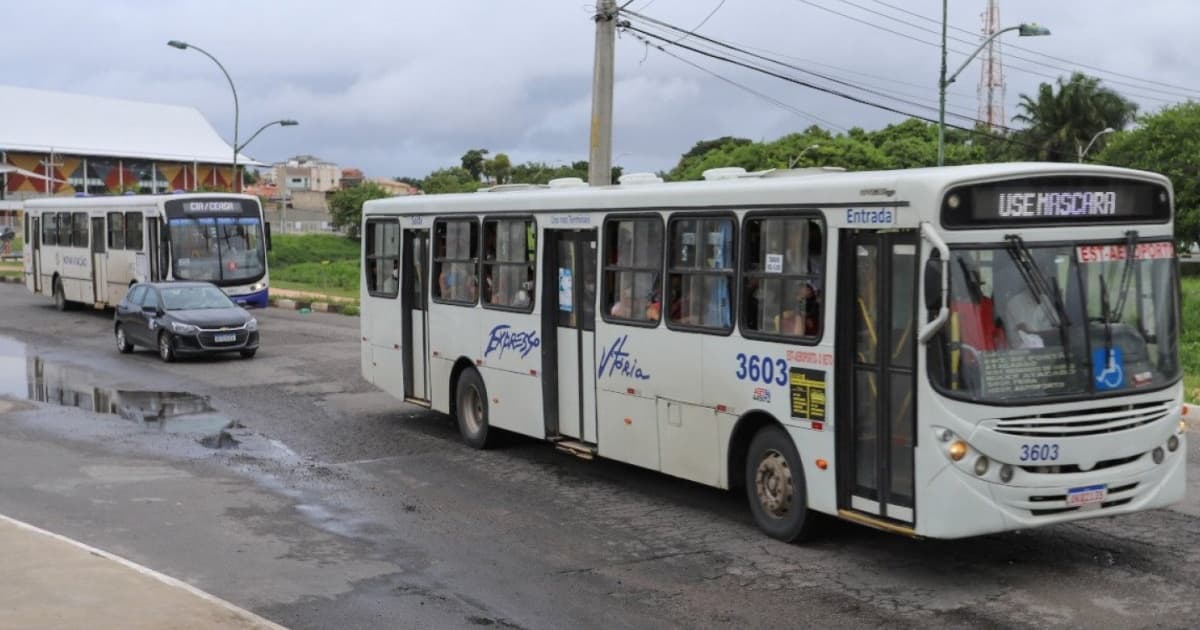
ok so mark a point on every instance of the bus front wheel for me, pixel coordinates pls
(60, 296)
(472, 410)
(775, 486)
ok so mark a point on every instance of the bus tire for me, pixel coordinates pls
(775, 486)
(123, 345)
(472, 409)
(166, 350)
(60, 296)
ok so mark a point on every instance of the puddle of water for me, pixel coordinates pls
(31, 377)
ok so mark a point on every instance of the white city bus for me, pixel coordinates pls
(936, 352)
(89, 250)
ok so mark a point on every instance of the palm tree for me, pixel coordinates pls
(1058, 125)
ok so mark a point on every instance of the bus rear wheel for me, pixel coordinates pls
(60, 297)
(775, 486)
(471, 409)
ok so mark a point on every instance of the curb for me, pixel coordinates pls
(151, 573)
(308, 306)
(13, 279)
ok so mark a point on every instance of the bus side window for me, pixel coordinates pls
(633, 253)
(79, 229)
(701, 272)
(116, 230)
(455, 243)
(509, 263)
(783, 277)
(64, 229)
(133, 231)
(49, 229)
(383, 258)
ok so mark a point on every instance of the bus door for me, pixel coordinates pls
(569, 323)
(99, 261)
(153, 243)
(876, 404)
(414, 318)
(35, 258)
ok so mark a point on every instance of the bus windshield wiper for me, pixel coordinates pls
(1043, 294)
(1131, 239)
(1106, 317)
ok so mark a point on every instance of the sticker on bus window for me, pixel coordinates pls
(774, 263)
(566, 290)
(1108, 370)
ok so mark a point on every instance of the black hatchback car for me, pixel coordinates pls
(181, 318)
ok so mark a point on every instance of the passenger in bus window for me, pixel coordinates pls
(1024, 316)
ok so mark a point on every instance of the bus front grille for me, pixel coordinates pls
(1090, 422)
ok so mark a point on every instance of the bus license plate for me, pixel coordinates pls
(225, 338)
(1087, 495)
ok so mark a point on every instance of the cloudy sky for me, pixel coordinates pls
(404, 87)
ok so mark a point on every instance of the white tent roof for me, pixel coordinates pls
(43, 121)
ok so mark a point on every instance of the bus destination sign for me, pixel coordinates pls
(1055, 201)
(210, 208)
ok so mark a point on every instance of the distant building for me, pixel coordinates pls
(351, 177)
(58, 143)
(306, 173)
(394, 187)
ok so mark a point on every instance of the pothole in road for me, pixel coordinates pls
(31, 377)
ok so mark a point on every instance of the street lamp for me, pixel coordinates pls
(1024, 30)
(174, 43)
(792, 162)
(286, 122)
(1083, 152)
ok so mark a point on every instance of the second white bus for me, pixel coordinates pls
(90, 250)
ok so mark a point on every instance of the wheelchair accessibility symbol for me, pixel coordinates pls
(1108, 372)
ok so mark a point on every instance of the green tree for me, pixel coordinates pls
(498, 169)
(1059, 124)
(472, 162)
(345, 206)
(1166, 142)
(449, 180)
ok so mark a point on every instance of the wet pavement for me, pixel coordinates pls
(342, 507)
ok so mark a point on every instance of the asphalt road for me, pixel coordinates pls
(340, 507)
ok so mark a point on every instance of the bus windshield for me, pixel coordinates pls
(221, 249)
(1031, 323)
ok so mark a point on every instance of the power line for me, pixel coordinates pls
(702, 22)
(936, 45)
(1046, 55)
(825, 77)
(629, 27)
(813, 118)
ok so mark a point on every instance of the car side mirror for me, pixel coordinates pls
(933, 283)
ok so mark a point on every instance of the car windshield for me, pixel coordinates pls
(221, 249)
(194, 298)
(1037, 322)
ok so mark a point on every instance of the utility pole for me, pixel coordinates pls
(600, 151)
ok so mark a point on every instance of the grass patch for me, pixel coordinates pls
(348, 294)
(294, 249)
(341, 274)
(1189, 342)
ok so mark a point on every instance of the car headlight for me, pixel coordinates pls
(184, 329)
(252, 325)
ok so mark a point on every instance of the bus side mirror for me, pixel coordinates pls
(267, 227)
(933, 283)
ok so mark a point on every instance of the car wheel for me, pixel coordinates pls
(166, 350)
(472, 410)
(249, 354)
(123, 345)
(775, 486)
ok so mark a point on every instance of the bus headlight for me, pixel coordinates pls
(957, 450)
(184, 329)
(981, 465)
(1006, 473)
(252, 325)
